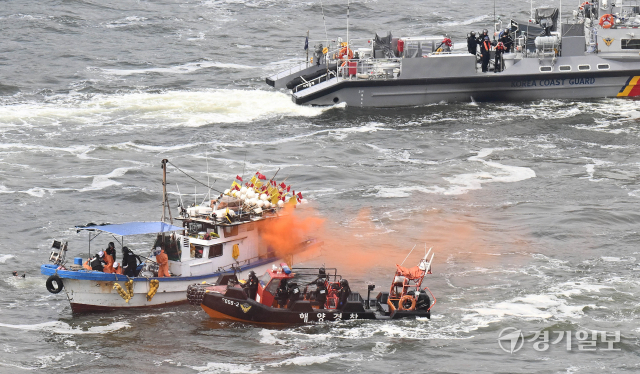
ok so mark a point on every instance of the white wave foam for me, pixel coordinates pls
(267, 337)
(178, 69)
(4, 258)
(305, 360)
(172, 108)
(464, 183)
(465, 22)
(218, 367)
(59, 327)
(103, 181)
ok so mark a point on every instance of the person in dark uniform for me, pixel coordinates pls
(472, 43)
(294, 294)
(111, 251)
(130, 262)
(343, 293)
(498, 62)
(251, 286)
(485, 49)
(282, 293)
(507, 40)
(320, 294)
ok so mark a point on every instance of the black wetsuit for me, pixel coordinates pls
(130, 263)
(343, 296)
(251, 287)
(96, 264)
(472, 44)
(282, 293)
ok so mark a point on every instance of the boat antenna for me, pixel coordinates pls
(405, 259)
(180, 195)
(325, 24)
(206, 157)
(494, 20)
(194, 179)
(244, 164)
(165, 200)
(348, 29)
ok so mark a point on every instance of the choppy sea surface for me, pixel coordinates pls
(532, 208)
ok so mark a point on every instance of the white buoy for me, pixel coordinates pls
(280, 203)
(243, 196)
(251, 194)
(226, 192)
(263, 197)
(267, 204)
(243, 190)
(234, 193)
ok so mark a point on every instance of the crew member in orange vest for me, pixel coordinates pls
(163, 260)
(108, 259)
(117, 269)
(485, 48)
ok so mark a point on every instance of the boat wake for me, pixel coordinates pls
(122, 113)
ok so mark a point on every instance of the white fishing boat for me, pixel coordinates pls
(216, 238)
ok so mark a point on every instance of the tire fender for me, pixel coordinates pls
(57, 280)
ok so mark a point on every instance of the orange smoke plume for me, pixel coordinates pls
(286, 233)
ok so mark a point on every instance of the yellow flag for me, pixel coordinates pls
(234, 184)
(253, 180)
(275, 197)
(293, 200)
(257, 185)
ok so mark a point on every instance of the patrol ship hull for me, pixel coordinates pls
(594, 55)
(518, 84)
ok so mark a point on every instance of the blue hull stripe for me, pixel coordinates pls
(50, 269)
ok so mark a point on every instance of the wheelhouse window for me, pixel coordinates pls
(584, 67)
(603, 67)
(630, 43)
(215, 251)
(265, 279)
(545, 68)
(230, 231)
(565, 68)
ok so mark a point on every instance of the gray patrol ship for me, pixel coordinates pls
(596, 54)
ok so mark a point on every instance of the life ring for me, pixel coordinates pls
(51, 280)
(583, 4)
(345, 52)
(606, 21)
(404, 300)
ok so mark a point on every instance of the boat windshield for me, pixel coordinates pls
(265, 279)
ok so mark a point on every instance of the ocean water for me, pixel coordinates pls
(531, 208)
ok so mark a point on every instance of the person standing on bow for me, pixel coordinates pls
(485, 49)
(498, 62)
(472, 43)
(251, 286)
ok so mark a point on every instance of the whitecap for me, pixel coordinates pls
(305, 360)
(103, 181)
(219, 367)
(4, 258)
(178, 69)
(59, 327)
